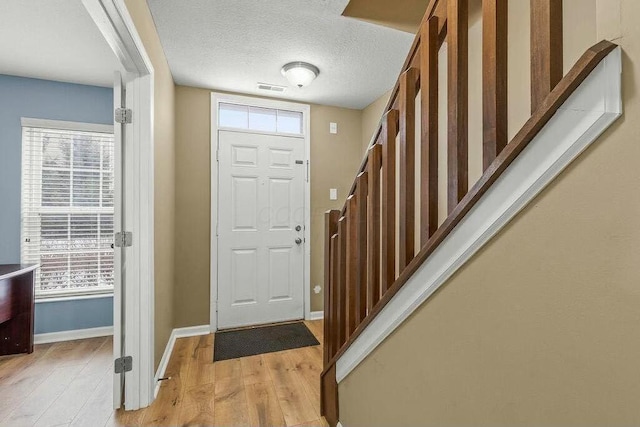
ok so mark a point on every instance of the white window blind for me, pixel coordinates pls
(67, 208)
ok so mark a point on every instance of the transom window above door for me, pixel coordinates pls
(68, 207)
(236, 116)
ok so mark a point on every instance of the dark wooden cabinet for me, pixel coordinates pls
(16, 308)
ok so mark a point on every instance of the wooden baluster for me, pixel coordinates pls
(407, 165)
(546, 49)
(352, 265)
(429, 127)
(494, 79)
(458, 100)
(362, 188)
(440, 12)
(331, 330)
(341, 317)
(374, 164)
(330, 228)
(388, 239)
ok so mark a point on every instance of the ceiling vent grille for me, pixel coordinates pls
(271, 88)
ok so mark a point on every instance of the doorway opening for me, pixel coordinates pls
(58, 275)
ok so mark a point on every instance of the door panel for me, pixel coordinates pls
(244, 276)
(261, 205)
(280, 198)
(280, 286)
(244, 202)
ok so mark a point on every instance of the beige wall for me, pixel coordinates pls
(164, 146)
(335, 159)
(540, 327)
(334, 162)
(193, 206)
(371, 116)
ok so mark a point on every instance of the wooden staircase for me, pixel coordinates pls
(364, 268)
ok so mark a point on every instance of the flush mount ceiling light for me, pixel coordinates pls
(300, 73)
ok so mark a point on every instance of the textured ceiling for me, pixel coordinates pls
(53, 40)
(232, 45)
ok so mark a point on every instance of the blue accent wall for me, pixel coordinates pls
(59, 316)
(43, 99)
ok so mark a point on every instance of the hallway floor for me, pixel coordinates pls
(70, 383)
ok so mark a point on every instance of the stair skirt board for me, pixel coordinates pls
(77, 334)
(588, 112)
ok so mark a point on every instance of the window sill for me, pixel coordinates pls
(72, 297)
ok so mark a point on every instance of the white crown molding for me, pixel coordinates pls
(191, 331)
(591, 109)
(77, 334)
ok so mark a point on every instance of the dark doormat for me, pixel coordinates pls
(264, 339)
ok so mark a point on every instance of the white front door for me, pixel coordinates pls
(260, 228)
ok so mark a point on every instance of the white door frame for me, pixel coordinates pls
(117, 27)
(305, 109)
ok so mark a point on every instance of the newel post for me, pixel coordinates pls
(328, 386)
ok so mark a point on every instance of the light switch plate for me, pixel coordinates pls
(333, 194)
(333, 127)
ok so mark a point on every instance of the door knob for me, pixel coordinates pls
(298, 228)
(298, 241)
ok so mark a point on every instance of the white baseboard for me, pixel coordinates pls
(316, 315)
(190, 331)
(77, 334)
(591, 109)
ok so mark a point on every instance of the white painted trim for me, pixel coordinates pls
(73, 298)
(191, 331)
(316, 315)
(164, 362)
(64, 125)
(592, 108)
(77, 334)
(305, 109)
(116, 25)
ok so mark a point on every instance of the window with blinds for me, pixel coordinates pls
(67, 208)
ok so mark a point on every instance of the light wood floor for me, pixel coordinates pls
(58, 384)
(71, 384)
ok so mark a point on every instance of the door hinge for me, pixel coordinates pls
(123, 364)
(123, 115)
(307, 170)
(123, 239)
